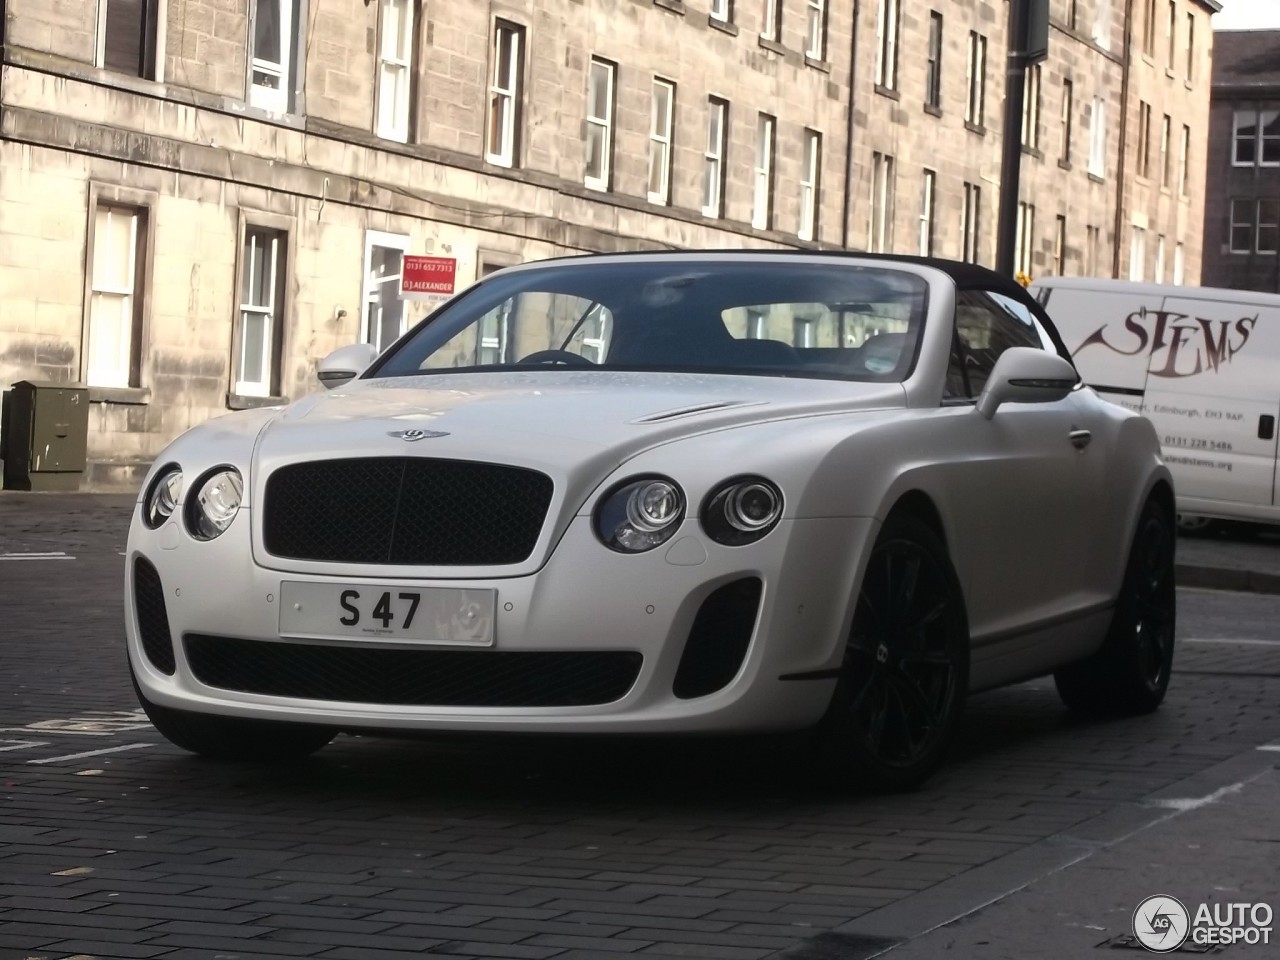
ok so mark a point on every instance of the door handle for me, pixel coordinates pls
(1080, 438)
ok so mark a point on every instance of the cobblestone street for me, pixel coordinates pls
(115, 844)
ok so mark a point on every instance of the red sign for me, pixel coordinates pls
(428, 276)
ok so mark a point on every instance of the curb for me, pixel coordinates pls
(1226, 578)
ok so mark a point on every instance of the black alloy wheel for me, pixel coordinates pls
(906, 665)
(1130, 674)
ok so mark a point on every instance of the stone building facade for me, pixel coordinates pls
(1242, 196)
(199, 199)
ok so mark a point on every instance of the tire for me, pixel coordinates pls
(906, 666)
(233, 738)
(1130, 674)
(1193, 525)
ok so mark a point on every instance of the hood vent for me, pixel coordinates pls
(679, 412)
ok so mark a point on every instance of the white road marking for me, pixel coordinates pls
(1271, 747)
(93, 753)
(23, 744)
(1193, 803)
(1229, 641)
(57, 555)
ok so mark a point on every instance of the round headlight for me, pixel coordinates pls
(162, 496)
(741, 511)
(639, 515)
(216, 503)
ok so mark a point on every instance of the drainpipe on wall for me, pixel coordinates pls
(1126, 66)
(847, 203)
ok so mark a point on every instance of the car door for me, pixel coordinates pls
(1023, 497)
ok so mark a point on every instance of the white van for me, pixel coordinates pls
(1203, 364)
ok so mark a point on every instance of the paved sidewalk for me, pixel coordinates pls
(1231, 562)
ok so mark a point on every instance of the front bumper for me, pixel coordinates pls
(584, 600)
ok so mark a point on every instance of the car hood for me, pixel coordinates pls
(545, 419)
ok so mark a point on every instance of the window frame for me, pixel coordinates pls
(1067, 119)
(150, 42)
(1060, 245)
(815, 42)
(975, 110)
(1270, 223)
(512, 97)
(278, 340)
(663, 142)
(1184, 161)
(287, 99)
(928, 212)
(1247, 204)
(386, 241)
(1137, 253)
(400, 129)
(143, 205)
(933, 61)
(1143, 155)
(1031, 108)
(1149, 28)
(771, 21)
(880, 219)
(1160, 250)
(1173, 35)
(888, 19)
(763, 176)
(1191, 47)
(721, 11)
(604, 180)
(810, 184)
(1166, 151)
(1098, 138)
(1024, 237)
(1179, 264)
(971, 223)
(716, 107)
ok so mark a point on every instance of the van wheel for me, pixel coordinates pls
(1130, 674)
(233, 738)
(906, 666)
(1190, 525)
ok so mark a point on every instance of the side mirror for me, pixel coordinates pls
(345, 364)
(1026, 375)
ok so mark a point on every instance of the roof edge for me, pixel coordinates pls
(1213, 6)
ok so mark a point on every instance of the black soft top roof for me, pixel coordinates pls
(965, 275)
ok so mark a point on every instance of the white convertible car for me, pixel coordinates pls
(701, 492)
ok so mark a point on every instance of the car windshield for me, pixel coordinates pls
(761, 317)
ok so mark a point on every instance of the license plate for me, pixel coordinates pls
(387, 612)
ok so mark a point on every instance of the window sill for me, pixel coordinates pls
(889, 92)
(773, 46)
(133, 395)
(933, 110)
(1033, 152)
(1097, 177)
(724, 26)
(239, 401)
(1064, 165)
(675, 6)
(975, 128)
(822, 65)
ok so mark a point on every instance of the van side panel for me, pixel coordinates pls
(1204, 368)
(1213, 393)
(1095, 326)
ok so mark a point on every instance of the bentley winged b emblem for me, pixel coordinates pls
(416, 434)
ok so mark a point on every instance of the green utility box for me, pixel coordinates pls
(46, 432)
